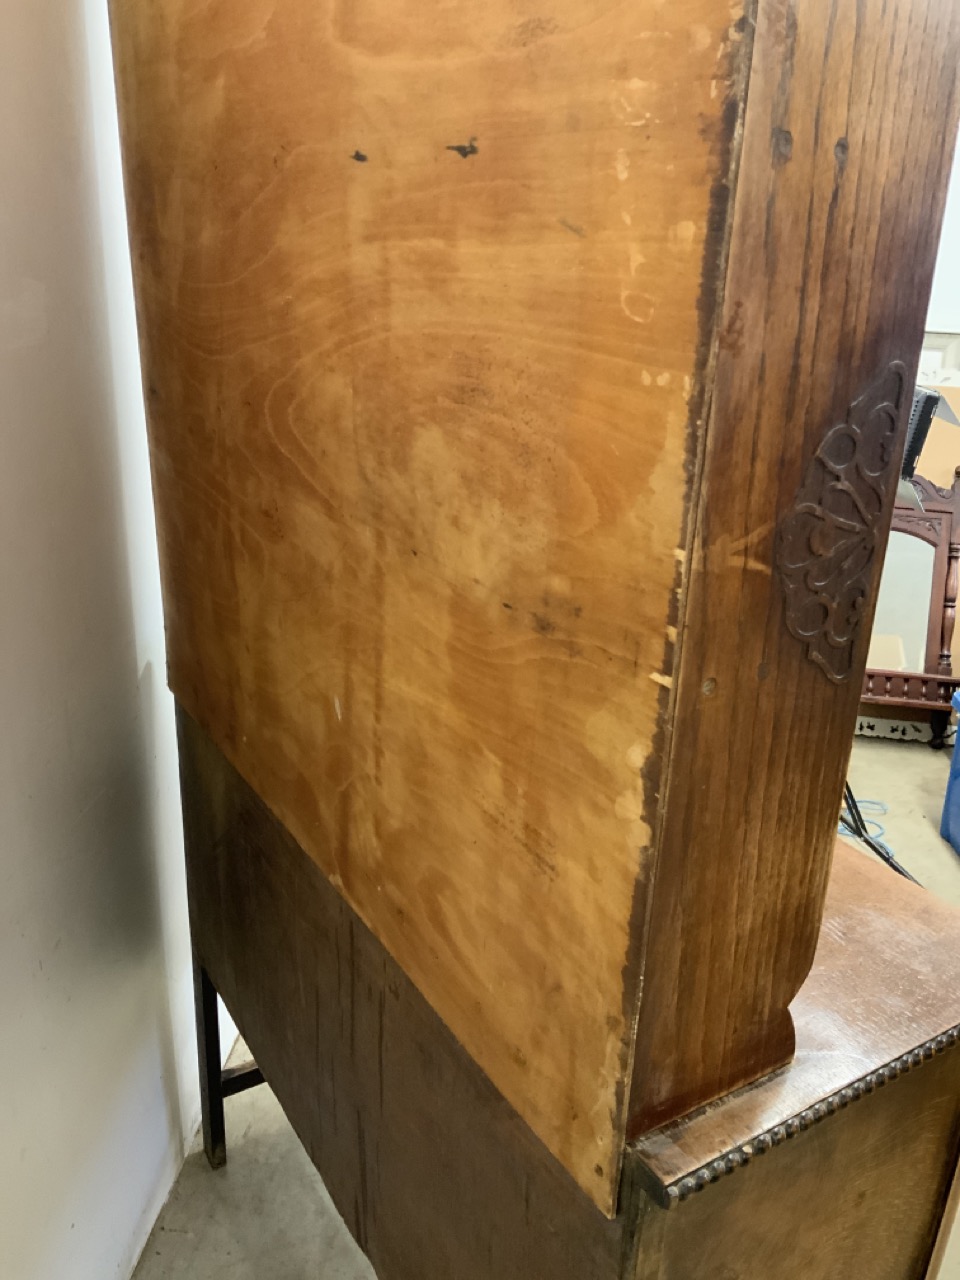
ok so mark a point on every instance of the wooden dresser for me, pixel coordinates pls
(526, 387)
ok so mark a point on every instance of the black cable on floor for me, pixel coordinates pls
(853, 823)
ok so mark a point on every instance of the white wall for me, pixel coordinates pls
(944, 313)
(97, 1077)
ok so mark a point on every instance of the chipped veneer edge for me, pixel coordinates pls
(672, 1193)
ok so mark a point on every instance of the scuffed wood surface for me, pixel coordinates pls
(421, 305)
(860, 1195)
(885, 980)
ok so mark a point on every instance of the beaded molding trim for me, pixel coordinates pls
(669, 1194)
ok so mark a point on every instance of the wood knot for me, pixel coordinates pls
(781, 147)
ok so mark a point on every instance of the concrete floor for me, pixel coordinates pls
(911, 780)
(267, 1216)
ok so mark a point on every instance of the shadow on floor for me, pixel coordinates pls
(265, 1216)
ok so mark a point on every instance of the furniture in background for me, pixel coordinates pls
(931, 687)
(950, 815)
(525, 387)
(925, 404)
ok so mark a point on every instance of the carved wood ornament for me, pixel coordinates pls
(828, 541)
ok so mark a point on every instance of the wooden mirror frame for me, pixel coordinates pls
(938, 524)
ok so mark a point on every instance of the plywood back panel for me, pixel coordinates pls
(424, 295)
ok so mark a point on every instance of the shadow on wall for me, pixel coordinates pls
(95, 995)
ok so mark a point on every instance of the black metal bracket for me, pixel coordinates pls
(216, 1083)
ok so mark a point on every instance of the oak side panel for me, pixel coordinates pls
(424, 297)
(435, 1174)
(848, 135)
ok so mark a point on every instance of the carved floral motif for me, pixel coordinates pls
(828, 542)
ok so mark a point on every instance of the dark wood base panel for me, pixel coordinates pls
(437, 1176)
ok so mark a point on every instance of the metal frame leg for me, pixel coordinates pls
(208, 1053)
(215, 1084)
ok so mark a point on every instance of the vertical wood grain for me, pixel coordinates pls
(848, 137)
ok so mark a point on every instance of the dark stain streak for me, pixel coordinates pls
(359, 156)
(352, 974)
(655, 773)
(841, 151)
(465, 150)
(544, 625)
(380, 1022)
(363, 1190)
(731, 336)
(572, 227)
(793, 385)
(828, 241)
(506, 605)
(543, 864)
(781, 146)
(769, 237)
(530, 31)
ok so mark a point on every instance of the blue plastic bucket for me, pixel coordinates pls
(950, 819)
